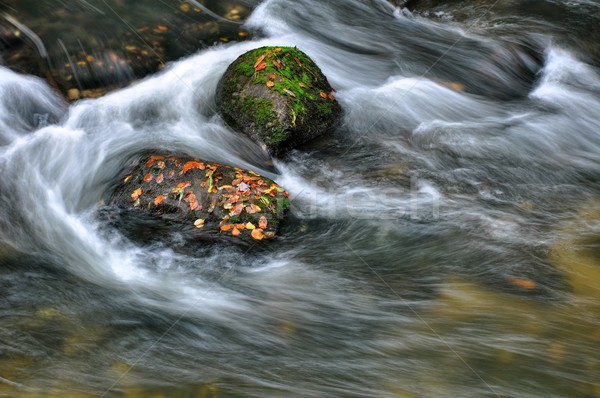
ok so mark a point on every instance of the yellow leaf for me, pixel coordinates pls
(199, 223)
(136, 194)
(250, 226)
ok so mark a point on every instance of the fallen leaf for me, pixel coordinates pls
(199, 223)
(235, 232)
(136, 194)
(158, 199)
(157, 157)
(270, 84)
(192, 165)
(161, 28)
(278, 50)
(262, 223)
(260, 66)
(184, 7)
(236, 210)
(240, 226)
(523, 283)
(272, 77)
(301, 84)
(190, 197)
(171, 173)
(227, 206)
(276, 64)
(226, 227)
(160, 178)
(183, 185)
(250, 226)
(257, 234)
(291, 94)
(161, 164)
(331, 97)
(212, 189)
(253, 209)
(148, 177)
(322, 94)
(297, 61)
(269, 234)
(127, 179)
(258, 61)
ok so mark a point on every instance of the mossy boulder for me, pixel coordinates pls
(278, 97)
(196, 199)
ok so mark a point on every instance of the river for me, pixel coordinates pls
(443, 241)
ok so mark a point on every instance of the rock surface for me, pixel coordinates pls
(278, 97)
(202, 200)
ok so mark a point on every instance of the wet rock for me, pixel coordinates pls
(201, 201)
(278, 97)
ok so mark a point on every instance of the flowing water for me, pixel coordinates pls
(443, 242)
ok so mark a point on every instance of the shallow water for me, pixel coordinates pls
(442, 242)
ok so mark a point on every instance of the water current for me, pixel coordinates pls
(443, 241)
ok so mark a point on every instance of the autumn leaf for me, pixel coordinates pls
(136, 194)
(235, 232)
(250, 226)
(297, 61)
(158, 199)
(270, 84)
(260, 66)
(276, 64)
(227, 206)
(161, 164)
(226, 227)
(301, 84)
(262, 223)
(240, 226)
(522, 283)
(160, 178)
(192, 165)
(322, 94)
(236, 210)
(291, 94)
(161, 28)
(257, 234)
(190, 197)
(199, 223)
(278, 50)
(253, 209)
(272, 77)
(212, 189)
(127, 178)
(171, 173)
(258, 61)
(148, 177)
(331, 97)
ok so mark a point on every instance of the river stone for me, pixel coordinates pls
(278, 97)
(200, 199)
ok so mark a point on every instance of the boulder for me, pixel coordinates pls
(278, 97)
(201, 200)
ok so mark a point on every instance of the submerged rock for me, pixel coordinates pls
(278, 97)
(201, 200)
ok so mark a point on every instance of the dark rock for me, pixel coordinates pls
(198, 200)
(278, 97)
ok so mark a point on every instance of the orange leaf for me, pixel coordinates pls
(272, 77)
(226, 227)
(253, 209)
(235, 232)
(136, 194)
(523, 283)
(270, 84)
(192, 165)
(160, 178)
(171, 173)
(260, 66)
(148, 177)
(298, 61)
(330, 96)
(161, 164)
(127, 179)
(302, 85)
(278, 50)
(158, 199)
(183, 185)
(322, 94)
(257, 234)
(262, 223)
(258, 61)
(161, 28)
(149, 163)
(250, 226)
(155, 157)
(276, 64)
(190, 197)
(240, 226)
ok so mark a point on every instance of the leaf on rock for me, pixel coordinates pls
(278, 50)
(253, 209)
(148, 177)
(235, 232)
(192, 165)
(291, 94)
(331, 97)
(257, 234)
(158, 199)
(522, 283)
(226, 227)
(322, 94)
(250, 226)
(260, 66)
(190, 197)
(297, 61)
(161, 164)
(270, 83)
(160, 178)
(258, 61)
(236, 210)
(262, 223)
(136, 194)
(199, 223)
(127, 178)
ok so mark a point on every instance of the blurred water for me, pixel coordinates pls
(443, 242)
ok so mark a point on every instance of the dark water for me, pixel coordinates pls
(443, 242)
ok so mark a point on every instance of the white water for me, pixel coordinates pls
(420, 182)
